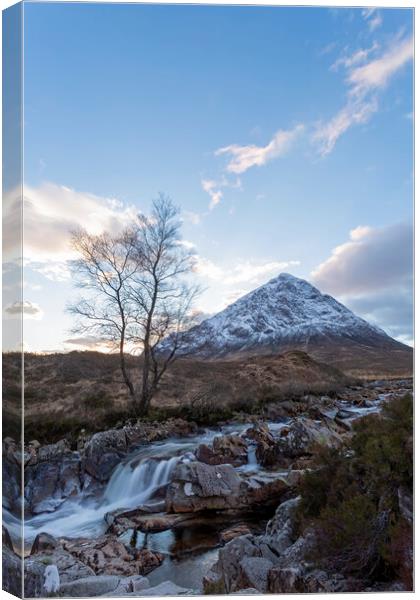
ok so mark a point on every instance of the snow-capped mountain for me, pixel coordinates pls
(286, 312)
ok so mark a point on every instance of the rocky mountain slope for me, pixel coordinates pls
(290, 313)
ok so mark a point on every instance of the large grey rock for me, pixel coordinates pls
(49, 483)
(197, 486)
(286, 580)
(131, 585)
(304, 434)
(279, 531)
(166, 588)
(52, 451)
(6, 539)
(68, 566)
(226, 449)
(43, 542)
(254, 572)
(103, 452)
(246, 561)
(227, 575)
(34, 578)
(107, 555)
(405, 503)
(87, 587)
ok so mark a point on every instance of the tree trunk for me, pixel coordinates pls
(124, 371)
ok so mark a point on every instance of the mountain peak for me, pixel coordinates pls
(284, 313)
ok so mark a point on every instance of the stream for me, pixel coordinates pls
(189, 552)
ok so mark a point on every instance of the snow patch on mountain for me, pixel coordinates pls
(284, 311)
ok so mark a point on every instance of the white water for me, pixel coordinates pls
(132, 484)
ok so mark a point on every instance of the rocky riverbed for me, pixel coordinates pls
(159, 509)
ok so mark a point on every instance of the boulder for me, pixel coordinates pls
(103, 452)
(53, 451)
(305, 434)
(48, 484)
(226, 449)
(254, 572)
(286, 580)
(131, 586)
(268, 452)
(166, 588)
(227, 574)
(197, 486)
(97, 585)
(108, 556)
(234, 570)
(260, 490)
(43, 543)
(68, 566)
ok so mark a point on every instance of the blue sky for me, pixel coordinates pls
(284, 134)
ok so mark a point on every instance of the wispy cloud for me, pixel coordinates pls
(377, 73)
(373, 18)
(212, 188)
(242, 158)
(364, 84)
(244, 272)
(355, 58)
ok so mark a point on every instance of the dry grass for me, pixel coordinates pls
(67, 392)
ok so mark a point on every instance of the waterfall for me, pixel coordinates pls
(132, 484)
(135, 482)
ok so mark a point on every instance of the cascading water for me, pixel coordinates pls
(132, 484)
(136, 483)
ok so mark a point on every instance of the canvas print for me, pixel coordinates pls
(207, 299)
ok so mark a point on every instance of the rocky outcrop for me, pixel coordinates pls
(51, 481)
(103, 452)
(275, 562)
(108, 556)
(197, 486)
(305, 434)
(248, 561)
(104, 585)
(226, 449)
(68, 566)
(53, 473)
(166, 588)
(44, 542)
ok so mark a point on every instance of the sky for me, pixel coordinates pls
(285, 135)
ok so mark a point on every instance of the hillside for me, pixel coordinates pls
(67, 392)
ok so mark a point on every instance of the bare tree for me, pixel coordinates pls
(137, 293)
(105, 265)
(160, 294)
